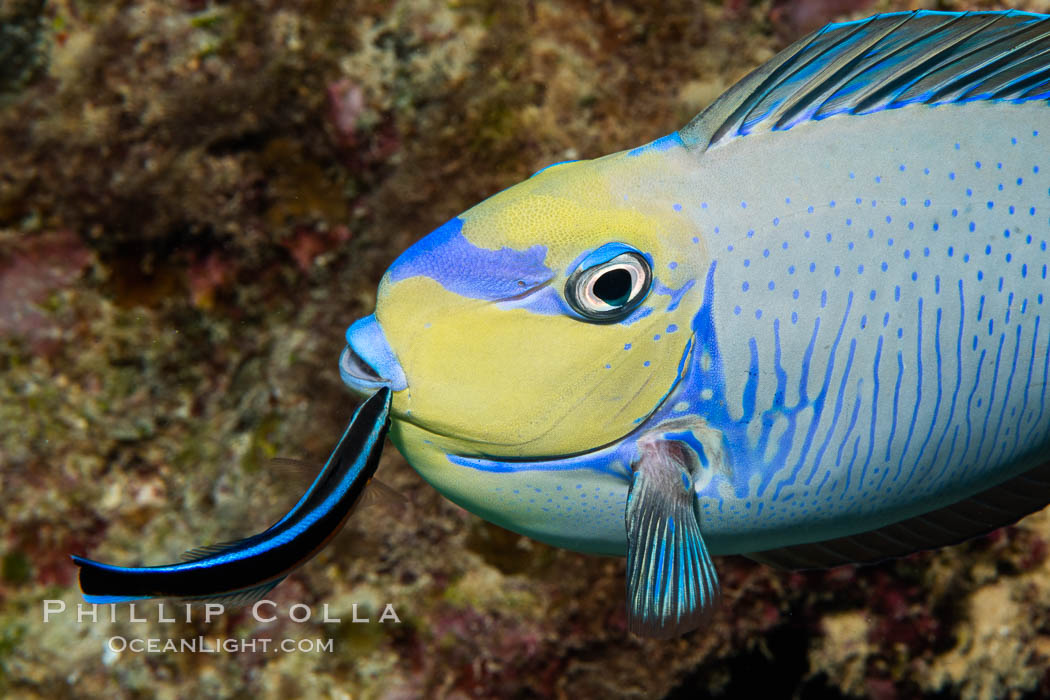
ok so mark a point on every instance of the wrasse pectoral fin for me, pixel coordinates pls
(241, 572)
(380, 494)
(377, 494)
(672, 586)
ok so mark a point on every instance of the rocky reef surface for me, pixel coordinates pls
(197, 197)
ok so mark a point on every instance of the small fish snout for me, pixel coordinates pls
(368, 362)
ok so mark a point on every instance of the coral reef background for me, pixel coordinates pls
(196, 199)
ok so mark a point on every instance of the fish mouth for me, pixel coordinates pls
(354, 367)
(368, 362)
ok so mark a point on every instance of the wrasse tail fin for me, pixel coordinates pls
(971, 517)
(885, 62)
(103, 583)
(672, 586)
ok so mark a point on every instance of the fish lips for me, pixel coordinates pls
(368, 362)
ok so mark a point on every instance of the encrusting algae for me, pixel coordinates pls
(171, 304)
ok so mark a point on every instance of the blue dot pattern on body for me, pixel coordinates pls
(832, 285)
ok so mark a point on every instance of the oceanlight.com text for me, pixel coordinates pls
(218, 645)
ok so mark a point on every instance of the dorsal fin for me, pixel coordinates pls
(210, 550)
(885, 62)
(989, 510)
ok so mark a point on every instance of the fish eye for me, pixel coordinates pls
(609, 283)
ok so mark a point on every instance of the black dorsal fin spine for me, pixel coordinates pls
(884, 62)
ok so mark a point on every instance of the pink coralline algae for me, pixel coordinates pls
(32, 269)
(362, 144)
(205, 276)
(346, 104)
(307, 243)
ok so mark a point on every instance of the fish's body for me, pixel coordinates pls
(879, 318)
(818, 311)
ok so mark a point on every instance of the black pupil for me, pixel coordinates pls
(613, 287)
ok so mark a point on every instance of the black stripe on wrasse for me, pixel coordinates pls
(246, 569)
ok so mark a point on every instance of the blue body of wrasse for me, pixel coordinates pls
(811, 326)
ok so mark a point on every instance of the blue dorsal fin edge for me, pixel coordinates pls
(672, 587)
(884, 62)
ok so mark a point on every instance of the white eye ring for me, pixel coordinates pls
(609, 291)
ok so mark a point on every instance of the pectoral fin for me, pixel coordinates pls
(672, 586)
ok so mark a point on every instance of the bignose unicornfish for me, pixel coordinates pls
(806, 327)
(245, 570)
